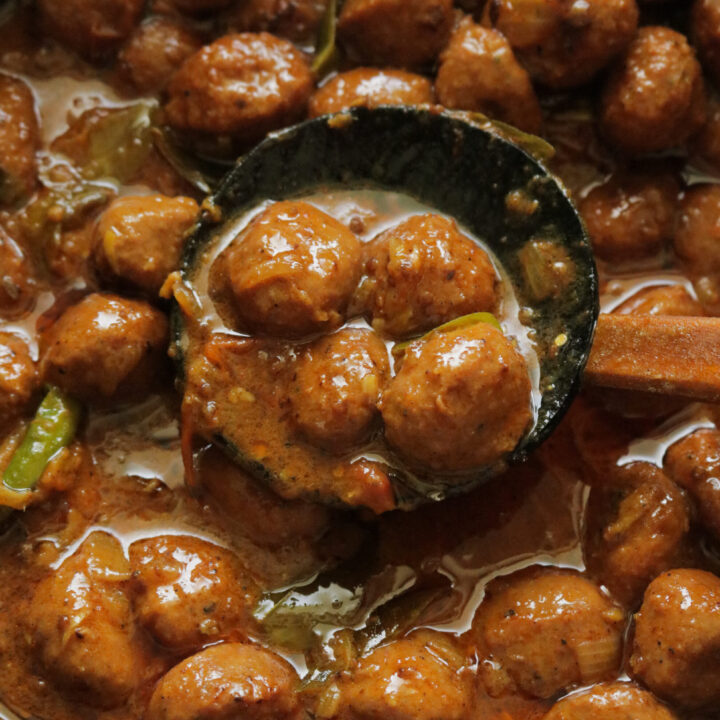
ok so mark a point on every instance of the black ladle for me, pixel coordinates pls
(460, 168)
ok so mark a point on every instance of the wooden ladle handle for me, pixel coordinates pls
(669, 355)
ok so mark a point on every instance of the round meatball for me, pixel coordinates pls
(154, 52)
(540, 631)
(635, 531)
(631, 216)
(403, 33)
(105, 347)
(17, 288)
(676, 648)
(296, 20)
(661, 300)
(422, 273)
(368, 87)
(81, 627)
(18, 378)
(705, 146)
(293, 271)
(418, 677)
(610, 701)
(242, 85)
(189, 592)
(479, 72)
(19, 139)
(564, 44)
(94, 28)
(460, 400)
(138, 239)
(705, 32)
(654, 99)
(694, 464)
(226, 682)
(337, 387)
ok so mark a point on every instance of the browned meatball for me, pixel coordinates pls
(105, 347)
(293, 271)
(635, 531)
(296, 20)
(541, 631)
(16, 281)
(694, 463)
(19, 138)
(403, 33)
(705, 31)
(676, 650)
(421, 273)
(368, 87)
(561, 43)
(18, 377)
(610, 701)
(654, 99)
(705, 146)
(138, 239)
(697, 242)
(80, 624)
(227, 682)
(189, 592)
(479, 72)
(337, 387)
(154, 52)
(661, 300)
(461, 399)
(242, 86)
(418, 677)
(94, 28)
(631, 216)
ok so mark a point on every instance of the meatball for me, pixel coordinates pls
(635, 531)
(227, 681)
(80, 624)
(293, 271)
(676, 649)
(19, 138)
(421, 273)
(631, 216)
(705, 146)
(337, 387)
(138, 240)
(403, 33)
(242, 85)
(265, 517)
(540, 631)
(296, 20)
(705, 31)
(105, 347)
(697, 242)
(460, 400)
(694, 464)
(661, 300)
(154, 52)
(564, 44)
(190, 592)
(654, 99)
(610, 701)
(94, 28)
(18, 378)
(479, 72)
(368, 87)
(418, 677)
(17, 289)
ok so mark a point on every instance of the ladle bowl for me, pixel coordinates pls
(465, 169)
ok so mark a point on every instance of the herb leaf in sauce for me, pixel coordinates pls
(325, 49)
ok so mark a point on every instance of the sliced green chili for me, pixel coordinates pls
(52, 429)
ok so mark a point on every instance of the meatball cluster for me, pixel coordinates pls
(460, 398)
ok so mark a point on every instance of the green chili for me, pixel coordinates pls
(52, 429)
(325, 48)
